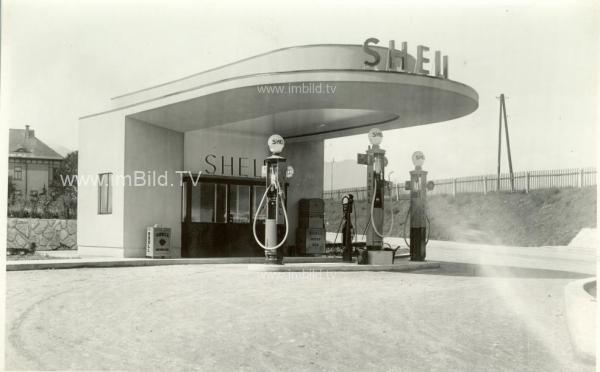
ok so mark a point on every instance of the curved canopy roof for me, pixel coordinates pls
(313, 91)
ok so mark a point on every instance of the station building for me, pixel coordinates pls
(187, 154)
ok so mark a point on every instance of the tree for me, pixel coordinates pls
(65, 178)
(64, 184)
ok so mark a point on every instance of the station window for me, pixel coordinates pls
(258, 194)
(239, 204)
(209, 203)
(105, 193)
(18, 173)
(203, 212)
(212, 202)
(220, 203)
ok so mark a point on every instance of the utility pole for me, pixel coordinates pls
(510, 167)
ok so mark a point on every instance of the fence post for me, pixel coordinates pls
(527, 182)
(397, 192)
(484, 185)
(580, 177)
(454, 187)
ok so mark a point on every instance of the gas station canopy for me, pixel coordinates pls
(304, 92)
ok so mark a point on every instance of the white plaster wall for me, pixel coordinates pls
(149, 148)
(307, 160)
(220, 147)
(101, 144)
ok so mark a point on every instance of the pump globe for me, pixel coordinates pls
(276, 143)
(375, 136)
(418, 158)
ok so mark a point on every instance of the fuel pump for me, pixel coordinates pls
(275, 197)
(347, 203)
(376, 162)
(419, 221)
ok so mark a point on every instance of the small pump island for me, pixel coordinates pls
(276, 172)
(375, 160)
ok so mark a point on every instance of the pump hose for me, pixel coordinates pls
(405, 223)
(404, 226)
(428, 228)
(354, 228)
(278, 186)
(367, 226)
(338, 230)
(372, 219)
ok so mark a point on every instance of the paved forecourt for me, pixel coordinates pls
(227, 317)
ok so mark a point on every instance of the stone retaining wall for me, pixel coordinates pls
(47, 234)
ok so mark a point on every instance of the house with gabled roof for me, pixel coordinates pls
(31, 163)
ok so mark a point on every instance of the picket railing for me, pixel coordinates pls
(522, 181)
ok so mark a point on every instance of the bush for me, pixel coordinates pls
(41, 207)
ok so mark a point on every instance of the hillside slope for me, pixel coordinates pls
(542, 217)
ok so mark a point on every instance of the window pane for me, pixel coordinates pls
(221, 203)
(108, 193)
(258, 194)
(239, 203)
(104, 201)
(184, 193)
(104, 193)
(100, 193)
(203, 202)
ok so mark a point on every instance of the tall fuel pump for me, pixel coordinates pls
(419, 222)
(347, 203)
(275, 197)
(375, 160)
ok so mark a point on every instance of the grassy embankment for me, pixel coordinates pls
(542, 217)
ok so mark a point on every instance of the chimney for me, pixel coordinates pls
(28, 132)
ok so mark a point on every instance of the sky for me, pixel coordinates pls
(64, 59)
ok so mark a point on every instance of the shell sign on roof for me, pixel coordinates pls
(397, 60)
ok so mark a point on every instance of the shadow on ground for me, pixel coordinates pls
(498, 271)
